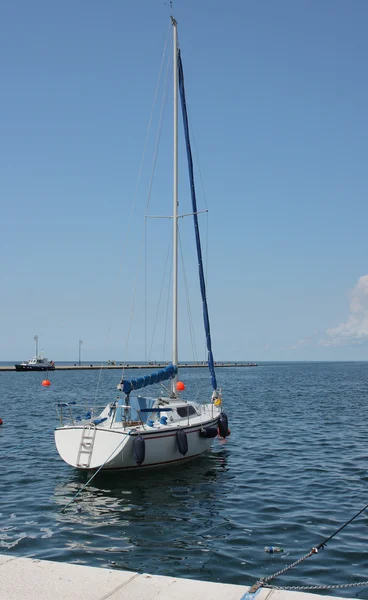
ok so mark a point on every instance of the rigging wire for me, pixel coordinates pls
(158, 137)
(198, 168)
(166, 49)
(197, 163)
(167, 314)
(191, 328)
(160, 295)
(206, 269)
(145, 290)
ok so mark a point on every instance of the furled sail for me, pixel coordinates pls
(128, 385)
(211, 365)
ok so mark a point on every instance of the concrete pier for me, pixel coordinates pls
(31, 579)
(86, 367)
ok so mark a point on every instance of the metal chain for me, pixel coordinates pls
(319, 587)
(262, 582)
(294, 564)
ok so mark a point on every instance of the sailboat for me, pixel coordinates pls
(137, 431)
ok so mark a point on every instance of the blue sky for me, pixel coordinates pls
(277, 95)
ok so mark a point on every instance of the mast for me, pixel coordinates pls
(36, 340)
(175, 211)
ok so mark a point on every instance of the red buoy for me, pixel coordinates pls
(180, 386)
(46, 382)
(1, 421)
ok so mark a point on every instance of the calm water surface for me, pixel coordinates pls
(293, 470)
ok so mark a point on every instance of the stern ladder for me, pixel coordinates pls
(86, 445)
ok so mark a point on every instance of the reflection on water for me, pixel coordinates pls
(170, 488)
(169, 511)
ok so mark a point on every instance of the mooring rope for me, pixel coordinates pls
(263, 582)
(94, 474)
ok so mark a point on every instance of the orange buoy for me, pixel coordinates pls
(46, 382)
(180, 386)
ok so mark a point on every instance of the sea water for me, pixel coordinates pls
(293, 470)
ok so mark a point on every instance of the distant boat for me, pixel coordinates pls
(37, 363)
(143, 431)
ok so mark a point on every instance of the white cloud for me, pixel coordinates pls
(355, 329)
(306, 341)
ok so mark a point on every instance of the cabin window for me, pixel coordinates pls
(184, 411)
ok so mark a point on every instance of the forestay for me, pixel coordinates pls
(211, 365)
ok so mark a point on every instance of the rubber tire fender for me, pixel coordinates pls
(182, 441)
(223, 425)
(139, 450)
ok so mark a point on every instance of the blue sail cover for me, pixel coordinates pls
(211, 365)
(128, 385)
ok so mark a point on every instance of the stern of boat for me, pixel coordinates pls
(90, 447)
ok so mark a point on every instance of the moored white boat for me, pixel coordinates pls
(117, 442)
(135, 431)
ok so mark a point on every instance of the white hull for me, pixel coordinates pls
(113, 448)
